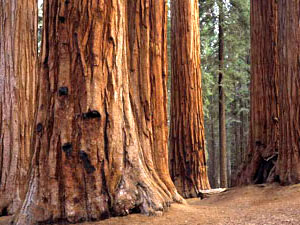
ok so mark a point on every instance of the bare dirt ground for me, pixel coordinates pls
(252, 205)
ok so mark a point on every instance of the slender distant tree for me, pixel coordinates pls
(101, 121)
(209, 63)
(222, 104)
(18, 63)
(235, 80)
(264, 126)
(187, 145)
(214, 170)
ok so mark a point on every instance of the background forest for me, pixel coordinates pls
(236, 72)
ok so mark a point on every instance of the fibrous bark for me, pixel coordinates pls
(147, 30)
(264, 115)
(101, 147)
(288, 166)
(274, 141)
(18, 61)
(187, 147)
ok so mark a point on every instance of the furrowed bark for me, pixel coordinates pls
(18, 63)
(187, 148)
(147, 30)
(274, 141)
(288, 166)
(264, 127)
(96, 154)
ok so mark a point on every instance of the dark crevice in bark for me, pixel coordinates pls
(86, 197)
(105, 214)
(39, 127)
(4, 211)
(63, 91)
(68, 149)
(264, 172)
(106, 141)
(86, 162)
(59, 174)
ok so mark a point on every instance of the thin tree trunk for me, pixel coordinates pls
(242, 138)
(222, 116)
(214, 156)
(187, 147)
(236, 156)
(101, 147)
(18, 62)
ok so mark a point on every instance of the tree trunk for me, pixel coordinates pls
(148, 79)
(235, 157)
(288, 167)
(214, 156)
(222, 107)
(18, 62)
(242, 138)
(187, 147)
(101, 147)
(263, 143)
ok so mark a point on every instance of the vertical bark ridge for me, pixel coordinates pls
(18, 64)
(96, 154)
(187, 153)
(148, 76)
(288, 167)
(264, 127)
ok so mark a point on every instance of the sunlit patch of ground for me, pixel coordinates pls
(252, 205)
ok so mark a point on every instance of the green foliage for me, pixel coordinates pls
(40, 24)
(236, 69)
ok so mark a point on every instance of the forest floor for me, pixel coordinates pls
(252, 205)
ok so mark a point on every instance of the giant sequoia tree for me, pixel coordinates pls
(101, 121)
(274, 134)
(263, 142)
(288, 166)
(187, 146)
(18, 57)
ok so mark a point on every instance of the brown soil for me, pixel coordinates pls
(252, 205)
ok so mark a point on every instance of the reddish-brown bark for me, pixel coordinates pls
(288, 166)
(18, 62)
(187, 147)
(148, 79)
(274, 133)
(101, 147)
(263, 141)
